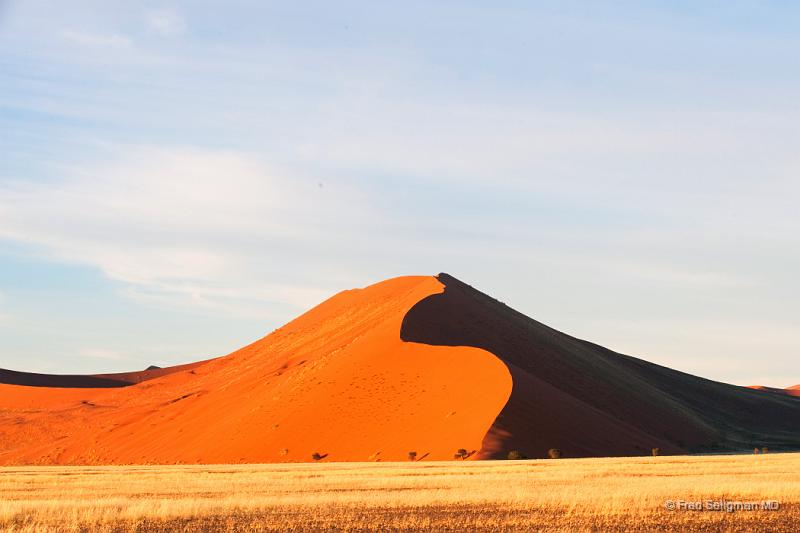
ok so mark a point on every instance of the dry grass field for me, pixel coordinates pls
(618, 494)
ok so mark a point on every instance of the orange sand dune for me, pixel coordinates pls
(424, 364)
(337, 381)
(789, 391)
(794, 390)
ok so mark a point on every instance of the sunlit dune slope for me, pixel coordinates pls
(587, 400)
(337, 381)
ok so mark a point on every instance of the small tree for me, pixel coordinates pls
(412, 456)
(514, 455)
(462, 453)
(554, 453)
(656, 451)
(316, 456)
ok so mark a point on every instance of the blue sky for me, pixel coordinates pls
(178, 179)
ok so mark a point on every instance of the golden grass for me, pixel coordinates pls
(615, 494)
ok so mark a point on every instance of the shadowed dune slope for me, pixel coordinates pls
(587, 400)
(337, 381)
(122, 379)
(32, 379)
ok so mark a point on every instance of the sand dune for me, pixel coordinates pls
(337, 381)
(423, 364)
(794, 390)
(586, 399)
(790, 391)
(122, 379)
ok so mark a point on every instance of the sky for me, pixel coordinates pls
(178, 179)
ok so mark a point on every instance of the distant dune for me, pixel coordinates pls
(791, 391)
(122, 379)
(413, 364)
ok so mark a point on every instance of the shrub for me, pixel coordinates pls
(554, 453)
(412, 456)
(656, 451)
(461, 453)
(756, 450)
(514, 455)
(316, 456)
(764, 449)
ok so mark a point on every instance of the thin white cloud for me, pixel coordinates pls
(4, 317)
(670, 275)
(231, 299)
(707, 347)
(166, 22)
(101, 353)
(211, 230)
(113, 40)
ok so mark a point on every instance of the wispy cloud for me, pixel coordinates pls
(4, 316)
(97, 40)
(206, 229)
(102, 353)
(166, 22)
